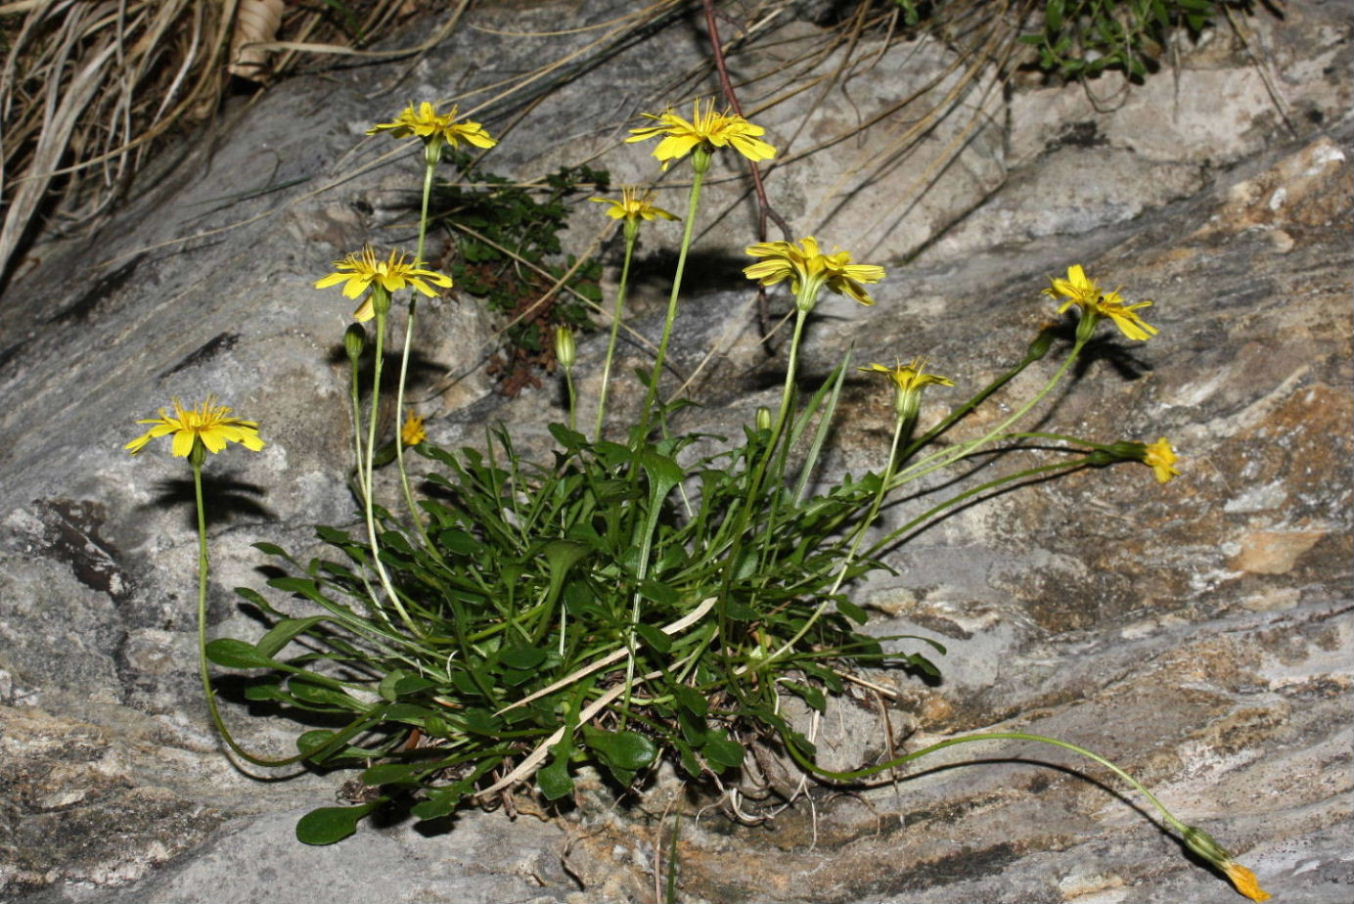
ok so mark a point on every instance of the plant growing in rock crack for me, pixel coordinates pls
(632, 599)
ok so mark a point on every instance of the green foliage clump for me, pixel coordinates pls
(510, 257)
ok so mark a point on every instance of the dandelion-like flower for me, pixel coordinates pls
(1203, 844)
(910, 380)
(1080, 290)
(633, 207)
(1161, 458)
(412, 433)
(428, 124)
(706, 129)
(209, 423)
(809, 270)
(359, 271)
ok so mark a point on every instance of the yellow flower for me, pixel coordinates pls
(707, 129)
(1245, 881)
(808, 270)
(412, 433)
(1080, 290)
(428, 124)
(909, 379)
(209, 423)
(1162, 458)
(632, 207)
(358, 272)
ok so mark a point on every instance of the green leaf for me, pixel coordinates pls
(554, 780)
(236, 654)
(810, 695)
(329, 824)
(852, 611)
(523, 657)
(690, 699)
(626, 750)
(654, 637)
(284, 631)
(722, 751)
(392, 773)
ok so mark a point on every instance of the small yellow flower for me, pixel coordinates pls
(359, 271)
(705, 128)
(1245, 881)
(428, 124)
(1162, 458)
(808, 270)
(412, 433)
(909, 379)
(209, 423)
(632, 207)
(1080, 290)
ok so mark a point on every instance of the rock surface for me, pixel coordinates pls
(1198, 633)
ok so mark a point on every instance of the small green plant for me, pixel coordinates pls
(643, 594)
(1085, 37)
(508, 255)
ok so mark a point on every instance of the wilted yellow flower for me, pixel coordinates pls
(707, 128)
(909, 379)
(1080, 290)
(1161, 458)
(1207, 847)
(412, 433)
(633, 207)
(808, 270)
(428, 124)
(1245, 881)
(209, 422)
(359, 271)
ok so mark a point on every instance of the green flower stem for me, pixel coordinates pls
(404, 369)
(954, 501)
(355, 396)
(631, 236)
(961, 450)
(787, 394)
(382, 313)
(688, 232)
(854, 775)
(573, 397)
(204, 670)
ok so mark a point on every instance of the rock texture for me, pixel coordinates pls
(1198, 633)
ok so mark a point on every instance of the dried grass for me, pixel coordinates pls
(88, 87)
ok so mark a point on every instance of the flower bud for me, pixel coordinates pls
(354, 341)
(566, 351)
(763, 418)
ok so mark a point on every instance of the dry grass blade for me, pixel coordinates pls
(88, 86)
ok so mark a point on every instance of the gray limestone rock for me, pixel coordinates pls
(1198, 633)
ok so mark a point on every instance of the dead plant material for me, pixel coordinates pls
(88, 88)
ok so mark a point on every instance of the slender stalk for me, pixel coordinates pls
(204, 670)
(631, 235)
(404, 365)
(382, 313)
(1166, 814)
(701, 164)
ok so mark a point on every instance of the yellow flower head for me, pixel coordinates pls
(1080, 290)
(412, 433)
(706, 129)
(359, 271)
(428, 124)
(909, 379)
(1245, 881)
(209, 423)
(1161, 458)
(633, 207)
(808, 270)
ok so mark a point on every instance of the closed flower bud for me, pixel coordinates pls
(566, 351)
(763, 418)
(354, 341)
